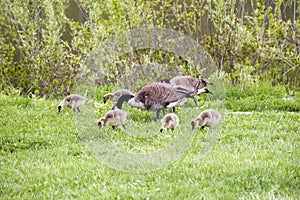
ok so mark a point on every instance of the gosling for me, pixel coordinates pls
(209, 118)
(169, 121)
(113, 118)
(73, 101)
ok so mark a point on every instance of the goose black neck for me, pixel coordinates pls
(122, 99)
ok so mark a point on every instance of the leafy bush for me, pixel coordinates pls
(35, 59)
(45, 44)
(256, 36)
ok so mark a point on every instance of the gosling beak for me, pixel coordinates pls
(99, 124)
(59, 108)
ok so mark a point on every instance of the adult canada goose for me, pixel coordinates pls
(113, 118)
(114, 97)
(155, 97)
(208, 118)
(73, 101)
(189, 83)
(169, 121)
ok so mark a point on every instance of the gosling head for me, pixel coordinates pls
(72, 101)
(65, 103)
(197, 122)
(163, 128)
(101, 122)
(209, 118)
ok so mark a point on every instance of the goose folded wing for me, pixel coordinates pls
(157, 93)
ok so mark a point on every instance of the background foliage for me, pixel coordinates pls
(44, 44)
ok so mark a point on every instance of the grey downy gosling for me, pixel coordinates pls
(113, 118)
(169, 121)
(155, 97)
(197, 85)
(208, 118)
(73, 101)
(114, 97)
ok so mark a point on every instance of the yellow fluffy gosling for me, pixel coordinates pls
(113, 118)
(208, 118)
(169, 121)
(73, 101)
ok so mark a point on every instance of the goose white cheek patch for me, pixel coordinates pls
(133, 103)
(202, 90)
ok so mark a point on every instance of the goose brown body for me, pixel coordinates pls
(157, 93)
(158, 96)
(208, 118)
(73, 101)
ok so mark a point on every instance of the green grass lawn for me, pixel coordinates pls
(44, 155)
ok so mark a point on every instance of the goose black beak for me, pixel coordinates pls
(207, 91)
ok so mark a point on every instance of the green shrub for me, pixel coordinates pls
(45, 46)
